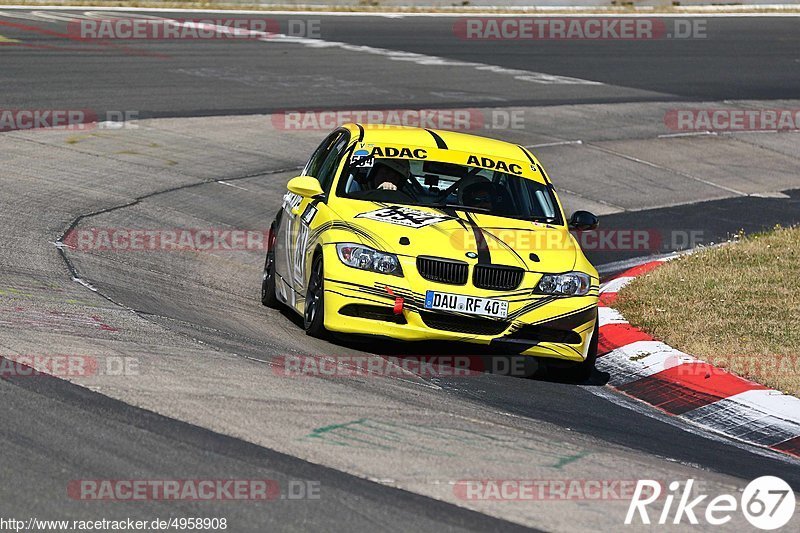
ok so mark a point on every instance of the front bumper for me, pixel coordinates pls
(363, 303)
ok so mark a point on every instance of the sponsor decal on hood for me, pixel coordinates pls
(403, 216)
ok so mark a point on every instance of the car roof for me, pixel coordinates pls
(427, 138)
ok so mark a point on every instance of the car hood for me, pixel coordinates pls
(460, 235)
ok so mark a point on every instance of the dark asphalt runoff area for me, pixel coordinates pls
(740, 58)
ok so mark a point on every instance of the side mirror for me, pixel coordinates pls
(583, 221)
(305, 186)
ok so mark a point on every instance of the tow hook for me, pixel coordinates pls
(398, 301)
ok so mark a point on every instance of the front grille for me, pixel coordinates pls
(461, 324)
(443, 270)
(497, 277)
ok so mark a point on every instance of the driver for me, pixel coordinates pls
(480, 194)
(390, 174)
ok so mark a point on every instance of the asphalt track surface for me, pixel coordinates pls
(54, 431)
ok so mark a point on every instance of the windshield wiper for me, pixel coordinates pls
(546, 220)
(464, 208)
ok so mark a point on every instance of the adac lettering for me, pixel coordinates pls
(416, 153)
(499, 165)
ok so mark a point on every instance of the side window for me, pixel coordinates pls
(317, 160)
(327, 170)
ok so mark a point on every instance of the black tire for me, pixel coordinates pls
(314, 313)
(268, 296)
(583, 371)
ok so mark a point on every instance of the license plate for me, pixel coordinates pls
(466, 304)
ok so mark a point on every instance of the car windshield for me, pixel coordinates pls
(448, 186)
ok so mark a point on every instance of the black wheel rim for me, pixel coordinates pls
(314, 294)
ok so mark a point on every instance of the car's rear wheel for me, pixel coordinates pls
(268, 296)
(314, 315)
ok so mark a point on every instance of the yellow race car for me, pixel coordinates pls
(417, 234)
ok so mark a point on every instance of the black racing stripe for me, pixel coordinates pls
(531, 307)
(439, 141)
(527, 154)
(533, 162)
(570, 320)
(482, 247)
(375, 239)
(546, 177)
(507, 246)
(340, 225)
(360, 133)
(484, 255)
(451, 212)
(380, 291)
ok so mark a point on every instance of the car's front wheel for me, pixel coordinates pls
(314, 315)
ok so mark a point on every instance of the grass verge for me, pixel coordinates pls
(735, 306)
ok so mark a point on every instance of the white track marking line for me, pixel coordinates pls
(770, 194)
(231, 185)
(687, 134)
(398, 55)
(428, 60)
(557, 143)
(672, 170)
(618, 208)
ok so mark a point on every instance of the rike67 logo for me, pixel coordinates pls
(767, 503)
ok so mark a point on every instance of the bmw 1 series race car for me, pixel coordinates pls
(417, 234)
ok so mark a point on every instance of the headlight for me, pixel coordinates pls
(365, 258)
(569, 284)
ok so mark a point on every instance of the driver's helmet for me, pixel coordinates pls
(477, 192)
(400, 166)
